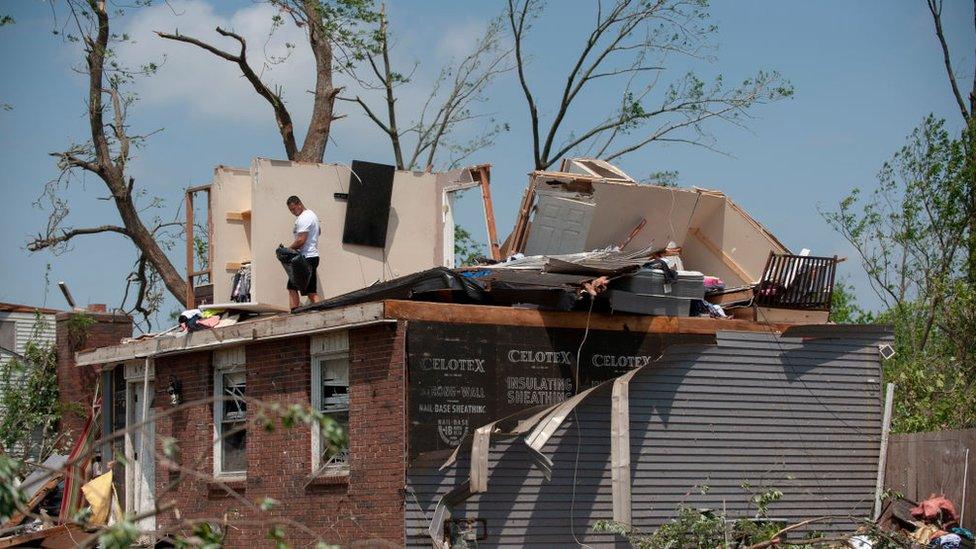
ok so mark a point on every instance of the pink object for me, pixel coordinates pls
(931, 508)
(713, 282)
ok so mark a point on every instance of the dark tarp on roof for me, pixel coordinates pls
(438, 279)
(486, 286)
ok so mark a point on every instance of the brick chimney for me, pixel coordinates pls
(78, 330)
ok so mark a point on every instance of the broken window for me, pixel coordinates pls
(330, 396)
(230, 412)
(8, 335)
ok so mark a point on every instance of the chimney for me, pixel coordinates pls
(75, 331)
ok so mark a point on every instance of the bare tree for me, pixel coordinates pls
(330, 25)
(630, 42)
(967, 108)
(107, 155)
(447, 107)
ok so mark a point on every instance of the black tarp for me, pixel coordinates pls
(368, 207)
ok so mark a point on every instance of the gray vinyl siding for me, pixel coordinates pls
(803, 417)
(24, 330)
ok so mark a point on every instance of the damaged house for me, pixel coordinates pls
(627, 344)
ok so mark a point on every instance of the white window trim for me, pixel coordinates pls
(226, 361)
(324, 346)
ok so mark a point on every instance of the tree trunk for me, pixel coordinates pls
(317, 138)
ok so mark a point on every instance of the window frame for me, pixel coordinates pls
(324, 347)
(226, 361)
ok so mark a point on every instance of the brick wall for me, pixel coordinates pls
(76, 385)
(368, 505)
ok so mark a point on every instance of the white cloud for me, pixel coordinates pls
(205, 84)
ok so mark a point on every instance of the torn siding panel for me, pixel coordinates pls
(800, 416)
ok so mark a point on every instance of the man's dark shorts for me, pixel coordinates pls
(313, 263)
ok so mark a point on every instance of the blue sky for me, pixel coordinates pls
(865, 74)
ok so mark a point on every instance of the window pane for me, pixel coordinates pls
(335, 385)
(8, 335)
(335, 443)
(234, 391)
(233, 445)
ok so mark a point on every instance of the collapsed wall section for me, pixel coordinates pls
(755, 410)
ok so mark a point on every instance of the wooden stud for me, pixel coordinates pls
(190, 298)
(484, 173)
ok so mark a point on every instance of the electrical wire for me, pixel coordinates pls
(579, 434)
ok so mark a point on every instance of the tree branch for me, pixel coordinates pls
(935, 8)
(42, 242)
(282, 116)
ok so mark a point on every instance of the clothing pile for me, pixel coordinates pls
(933, 523)
(240, 291)
(193, 320)
(938, 524)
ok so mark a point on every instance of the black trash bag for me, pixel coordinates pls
(296, 266)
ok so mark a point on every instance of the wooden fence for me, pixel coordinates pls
(920, 464)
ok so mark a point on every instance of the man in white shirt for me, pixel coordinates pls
(306, 242)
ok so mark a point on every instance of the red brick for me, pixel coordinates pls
(76, 385)
(368, 506)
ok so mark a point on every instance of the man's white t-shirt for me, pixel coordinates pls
(308, 222)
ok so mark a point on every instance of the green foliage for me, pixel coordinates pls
(121, 535)
(334, 435)
(466, 250)
(277, 535)
(704, 529)
(78, 325)
(342, 22)
(267, 504)
(667, 178)
(11, 496)
(204, 536)
(910, 233)
(29, 398)
(844, 308)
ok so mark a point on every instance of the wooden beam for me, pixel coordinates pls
(33, 502)
(267, 327)
(484, 173)
(518, 236)
(198, 188)
(509, 316)
(726, 258)
(239, 216)
(190, 298)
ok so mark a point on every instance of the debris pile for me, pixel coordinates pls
(933, 522)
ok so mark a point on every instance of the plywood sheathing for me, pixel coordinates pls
(230, 192)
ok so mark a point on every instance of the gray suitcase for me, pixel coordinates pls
(651, 282)
(645, 304)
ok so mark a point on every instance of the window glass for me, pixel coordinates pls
(8, 335)
(334, 403)
(232, 418)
